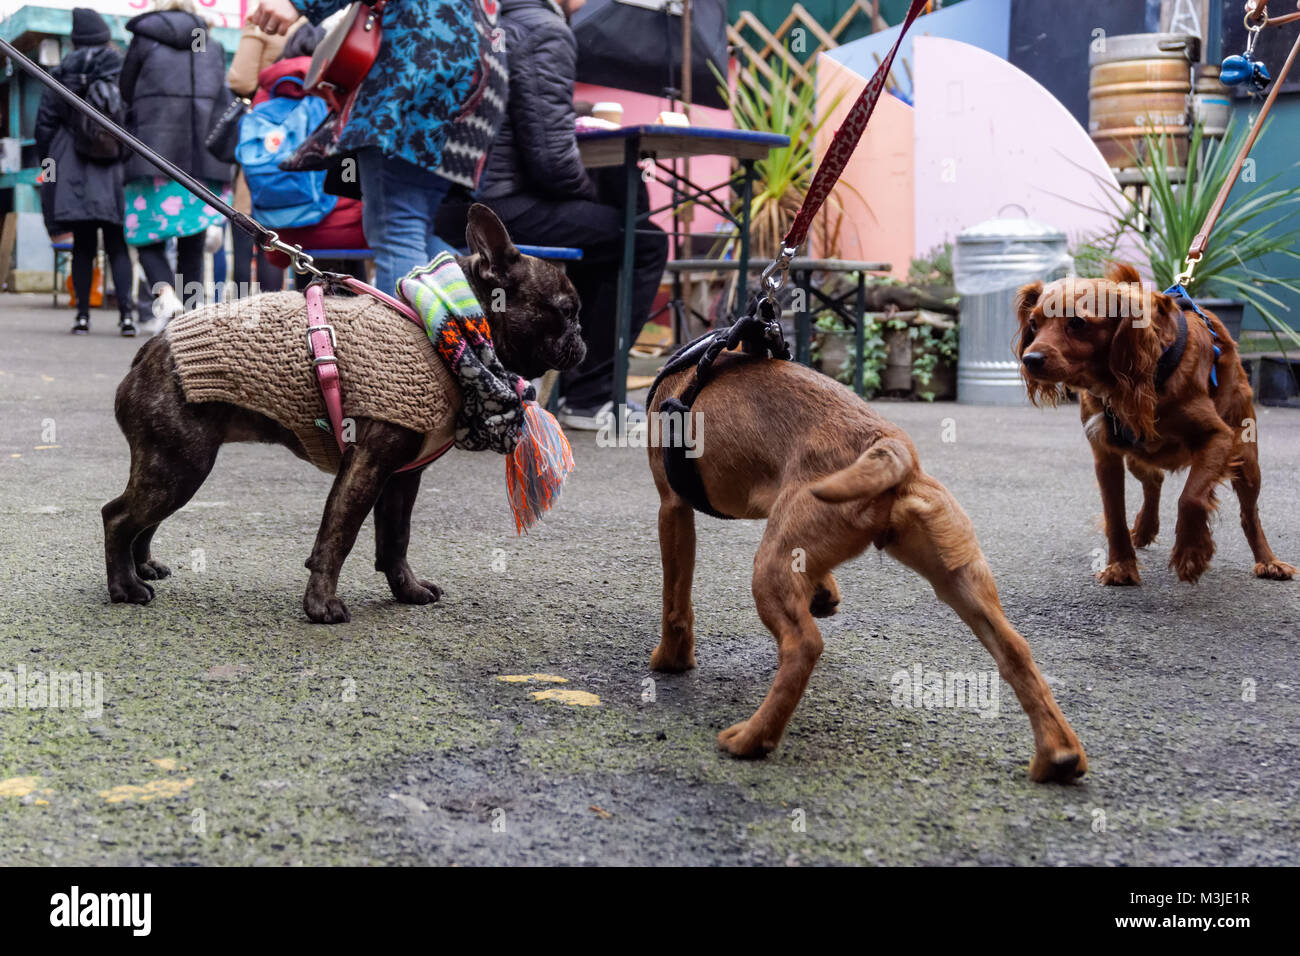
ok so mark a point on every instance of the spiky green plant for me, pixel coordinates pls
(1257, 221)
(777, 104)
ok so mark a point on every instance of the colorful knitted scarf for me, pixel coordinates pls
(498, 408)
(492, 412)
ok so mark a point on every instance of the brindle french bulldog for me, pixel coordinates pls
(174, 443)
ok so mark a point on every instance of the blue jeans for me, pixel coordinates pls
(399, 205)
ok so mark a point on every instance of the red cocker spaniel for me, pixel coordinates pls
(1158, 391)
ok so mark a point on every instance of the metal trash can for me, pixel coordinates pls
(993, 260)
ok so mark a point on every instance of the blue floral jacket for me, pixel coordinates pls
(422, 76)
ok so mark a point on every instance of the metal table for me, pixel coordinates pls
(628, 146)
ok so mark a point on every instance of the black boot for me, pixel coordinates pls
(127, 325)
(81, 326)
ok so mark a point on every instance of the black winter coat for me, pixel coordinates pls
(81, 189)
(170, 92)
(536, 152)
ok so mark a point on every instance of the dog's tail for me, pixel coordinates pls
(884, 466)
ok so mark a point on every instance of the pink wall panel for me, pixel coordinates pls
(989, 137)
(878, 187)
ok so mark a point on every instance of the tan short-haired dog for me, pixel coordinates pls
(832, 478)
(1141, 363)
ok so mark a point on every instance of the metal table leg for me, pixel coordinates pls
(860, 337)
(632, 174)
(746, 200)
(803, 320)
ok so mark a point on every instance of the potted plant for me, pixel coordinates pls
(1255, 223)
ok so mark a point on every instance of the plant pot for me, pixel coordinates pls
(1230, 313)
(834, 349)
(943, 383)
(897, 376)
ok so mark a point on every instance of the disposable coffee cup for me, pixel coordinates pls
(609, 112)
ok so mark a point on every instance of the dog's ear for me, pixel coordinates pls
(1026, 300)
(1134, 354)
(1122, 273)
(488, 238)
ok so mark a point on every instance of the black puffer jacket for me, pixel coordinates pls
(536, 152)
(78, 189)
(170, 92)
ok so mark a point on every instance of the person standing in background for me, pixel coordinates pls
(536, 183)
(84, 194)
(173, 78)
(256, 51)
(399, 124)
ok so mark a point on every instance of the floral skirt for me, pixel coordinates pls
(158, 209)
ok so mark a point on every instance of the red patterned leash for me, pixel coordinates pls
(837, 157)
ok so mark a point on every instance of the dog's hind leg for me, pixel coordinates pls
(173, 447)
(1147, 524)
(1246, 485)
(804, 540)
(393, 535)
(145, 565)
(164, 477)
(676, 650)
(932, 535)
(379, 450)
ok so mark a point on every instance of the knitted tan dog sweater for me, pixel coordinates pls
(253, 353)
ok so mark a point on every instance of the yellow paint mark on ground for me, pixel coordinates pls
(166, 763)
(15, 455)
(18, 786)
(574, 698)
(533, 679)
(150, 791)
(44, 447)
(46, 378)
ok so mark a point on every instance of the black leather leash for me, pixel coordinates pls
(264, 237)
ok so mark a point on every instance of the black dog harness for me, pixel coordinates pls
(1120, 434)
(757, 334)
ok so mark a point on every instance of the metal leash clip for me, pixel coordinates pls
(774, 276)
(300, 261)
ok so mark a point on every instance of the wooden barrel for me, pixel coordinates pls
(1141, 84)
(1211, 102)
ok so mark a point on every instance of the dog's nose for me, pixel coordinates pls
(1033, 361)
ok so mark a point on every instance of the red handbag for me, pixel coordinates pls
(345, 56)
(338, 66)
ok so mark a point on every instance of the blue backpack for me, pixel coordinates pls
(269, 133)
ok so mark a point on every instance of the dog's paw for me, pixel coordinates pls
(1120, 574)
(416, 592)
(1061, 765)
(673, 660)
(740, 740)
(1275, 570)
(152, 570)
(823, 603)
(1144, 533)
(130, 592)
(330, 610)
(1189, 563)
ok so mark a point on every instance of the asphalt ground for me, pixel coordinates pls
(232, 731)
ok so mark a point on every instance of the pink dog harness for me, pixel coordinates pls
(322, 343)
